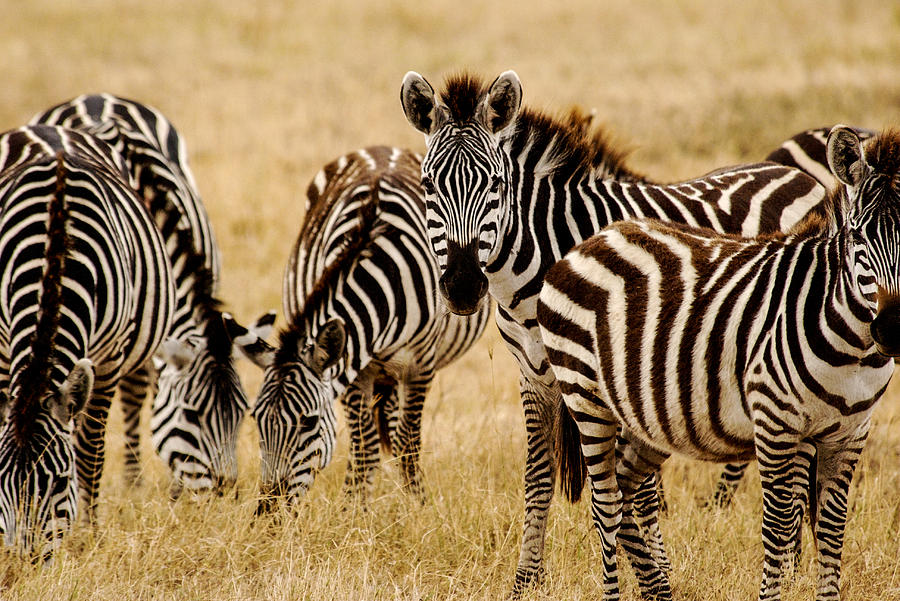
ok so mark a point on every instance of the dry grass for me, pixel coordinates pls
(266, 93)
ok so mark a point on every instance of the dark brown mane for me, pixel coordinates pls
(355, 241)
(463, 92)
(207, 308)
(34, 380)
(883, 155)
(570, 148)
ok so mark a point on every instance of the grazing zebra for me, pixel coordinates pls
(86, 296)
(200, 401)
(360, 293)
(805, 151)
(509, 192)
(725, 348)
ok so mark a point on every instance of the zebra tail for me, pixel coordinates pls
(382, 423)
(813, 507)
(569, 458)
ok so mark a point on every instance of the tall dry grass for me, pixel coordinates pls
(266, 93)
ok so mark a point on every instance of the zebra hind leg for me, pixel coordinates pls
(637, 467)
(727, 484)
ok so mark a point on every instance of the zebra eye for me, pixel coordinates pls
(309, 422)
(428, 185)
(495, 184)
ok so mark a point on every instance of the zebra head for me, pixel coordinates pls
(38, 485)
(295, 410)
(200, 403)
(871, 203)
(465, 175)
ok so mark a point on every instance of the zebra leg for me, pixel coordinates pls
(727, 485)
(386, 412)
(363, 439)
(539, 479)
(90, 432)
(637, 467)
(132, 392)
(834, 470)
(776, 456)
(409, 431)
(597, 428)
(803, 478)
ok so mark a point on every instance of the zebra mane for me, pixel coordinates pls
(355, 242)
(207, 308)
(35, 376)
(883, 156)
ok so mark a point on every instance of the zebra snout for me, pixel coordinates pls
(463, 285)
(886, 331)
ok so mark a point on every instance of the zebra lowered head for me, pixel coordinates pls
(200, 403)
(295, 408)
(38, 484)
(871, 181)
(465, 176)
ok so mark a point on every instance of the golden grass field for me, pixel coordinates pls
(266, 93)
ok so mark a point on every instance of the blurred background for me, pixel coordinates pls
(266, 93)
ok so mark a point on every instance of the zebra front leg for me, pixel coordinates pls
(363, 440)
(834, 471)
(776, 455)
(409, 432)
(727, 484)
(132, 392)
(90, 451)
(539, 479)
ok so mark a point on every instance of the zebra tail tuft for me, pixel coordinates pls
(569, 458)
(382, 419)
(813, 507)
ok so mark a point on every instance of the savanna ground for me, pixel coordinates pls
(266, 93)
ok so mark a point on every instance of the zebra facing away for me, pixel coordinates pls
(361, 302)
(86, 296)
(510, 191)
(200, 401)
(725, 348)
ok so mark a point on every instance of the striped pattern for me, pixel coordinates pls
(200, 401)
(509, 192)
(360, 296)
(86, 296)
(725, 349)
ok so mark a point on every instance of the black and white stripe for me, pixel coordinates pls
(361, 301)
(86, 296)
(509, 192)
(725, 348)
(200, 401)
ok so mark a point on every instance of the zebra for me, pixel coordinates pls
(362, 310)
(776, 347)
(508, 192)
(200, 401)
(86, 296)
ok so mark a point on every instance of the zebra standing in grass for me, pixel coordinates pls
(200, 400)
(86, 296)
(726, 348)
(509, 192)
(361, 302)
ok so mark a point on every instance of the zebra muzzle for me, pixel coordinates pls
(885, 331)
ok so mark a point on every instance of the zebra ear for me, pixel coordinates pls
(250, 343)
(75, 391)
(419, 105)
(329, 347)
(845, 155)
(503, 101)
(176, 353)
